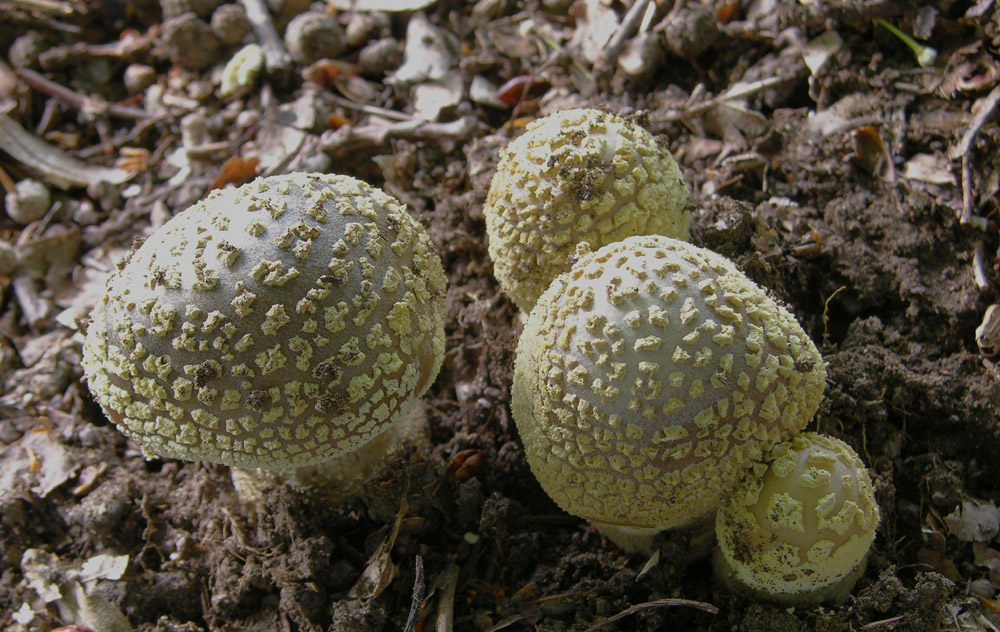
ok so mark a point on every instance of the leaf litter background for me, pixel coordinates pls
(857, 184)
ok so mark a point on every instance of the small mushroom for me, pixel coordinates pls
(649, 377)
(291, 324)
(574, 176)
(798, 528)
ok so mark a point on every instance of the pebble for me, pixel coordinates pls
(230, 24)
(26, 49)
(311, 36)
(189, 42)
(380, 56)
(29, 202)
(241, 72)
(138, 77)
(201, 8)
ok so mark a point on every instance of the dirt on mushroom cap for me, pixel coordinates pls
(650, 376)
(275, 325)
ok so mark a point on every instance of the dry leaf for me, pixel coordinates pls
(929, 168)
(974, 521)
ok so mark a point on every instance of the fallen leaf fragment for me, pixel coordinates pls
(974, 521)
(929, 168)
(52, 164)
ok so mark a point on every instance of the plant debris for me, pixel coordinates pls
(855, 178)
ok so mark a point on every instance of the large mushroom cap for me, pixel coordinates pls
(276, 325)
(798, 528)
(650, 375)
(573, 176)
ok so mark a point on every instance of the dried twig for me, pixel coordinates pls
(418, 595)
(968, 199)
(986, 107)
(87, 105)
(659, 603)
(625, 30)
(979, 268)
(445, 619)
(884, 622)
(347, 140)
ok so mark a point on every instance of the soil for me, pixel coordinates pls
(861, 192)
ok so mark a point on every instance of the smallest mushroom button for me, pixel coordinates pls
(798, 528)
(283, 325)
(575, 176)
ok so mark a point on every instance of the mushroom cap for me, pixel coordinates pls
(650, 376)
(573, 176)
(798, 527)
(276, 325)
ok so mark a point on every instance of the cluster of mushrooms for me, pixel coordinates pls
(289, 328)
(655, 385)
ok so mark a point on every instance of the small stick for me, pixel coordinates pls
(418, 595)
(275, 55)
(659, 603)
(625, 29)
(979, 268)
(87, 105)
(967, 201)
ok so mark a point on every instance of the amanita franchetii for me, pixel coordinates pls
(290, 324)
(574, 176)
(649, 377)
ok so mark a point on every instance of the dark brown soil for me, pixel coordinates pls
(808, 182)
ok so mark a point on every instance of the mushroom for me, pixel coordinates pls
(798, 528)
(574, 176)
(290, 324)
(649, 377)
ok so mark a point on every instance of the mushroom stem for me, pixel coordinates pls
(341, 478)
(639, 540)
(631, 540)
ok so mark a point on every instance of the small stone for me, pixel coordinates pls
(642, 55)
(138, 77)
(29, 202)
(201, 8)
(189, 42)
(363, 27)
(379, 57)
(692, 31)
(26, 49)
(230, 24)
(311, 36)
